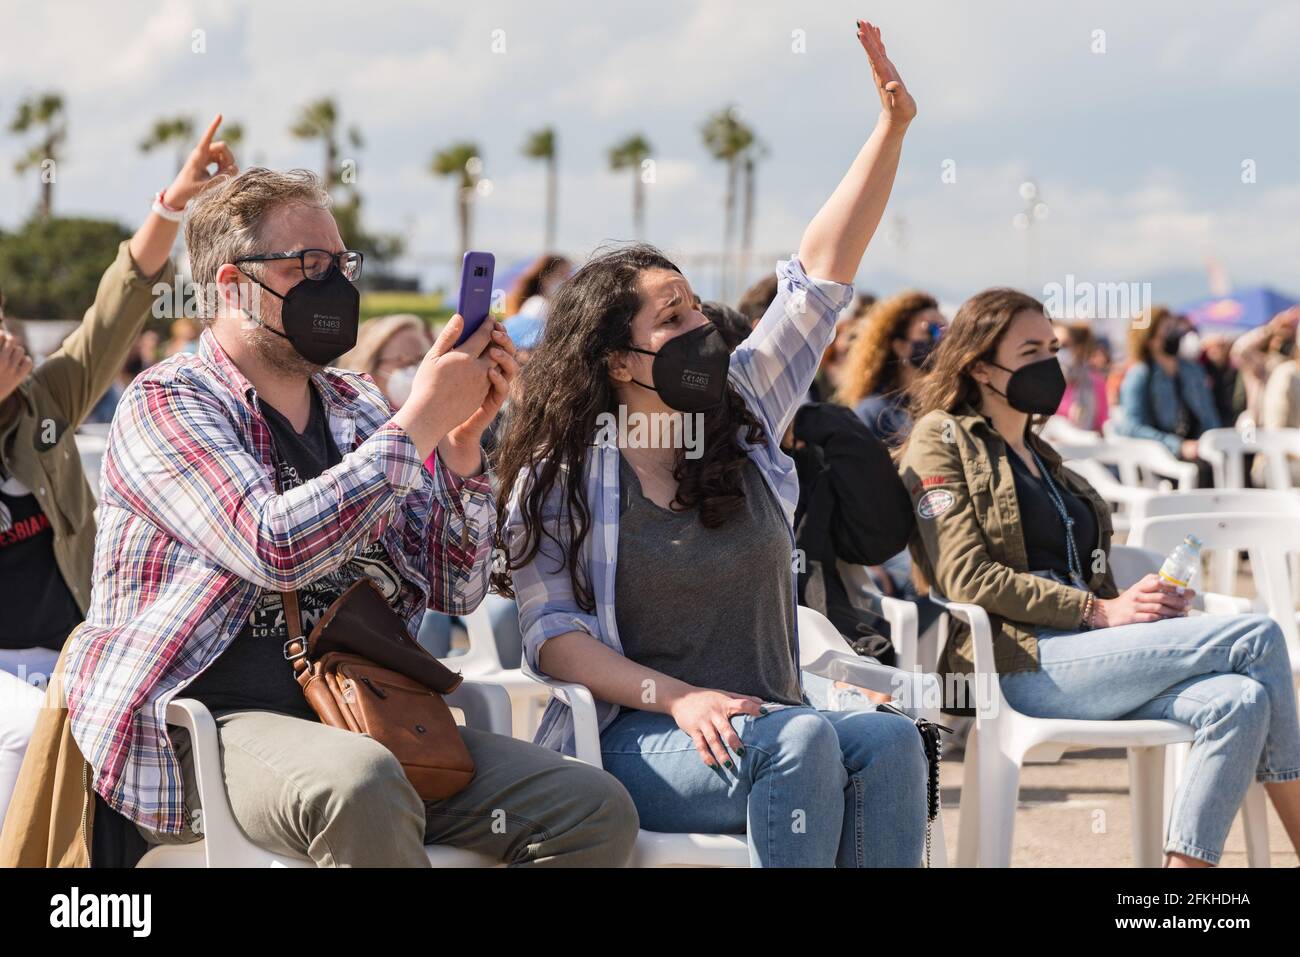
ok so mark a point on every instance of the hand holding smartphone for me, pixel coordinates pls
(475, 299)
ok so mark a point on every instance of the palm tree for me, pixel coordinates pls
(727, 138)
(540, 145)
(630, 154)
(232, 134)
(750, 160)
(43, 111)
(320, 121)
(175, 131)
(462, 161)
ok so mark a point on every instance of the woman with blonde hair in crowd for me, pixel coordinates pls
(389, 349)
(897, 336)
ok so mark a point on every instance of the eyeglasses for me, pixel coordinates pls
(316, 263)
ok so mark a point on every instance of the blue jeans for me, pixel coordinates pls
(812, 788)
(1228, 676)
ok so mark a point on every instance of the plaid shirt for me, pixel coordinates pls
(192, 532)
(772, 370)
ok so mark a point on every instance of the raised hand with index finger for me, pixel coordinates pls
(194, 175)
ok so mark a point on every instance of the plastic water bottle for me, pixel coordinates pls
(1183, 563)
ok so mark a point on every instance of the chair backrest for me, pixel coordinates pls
(482, 657)
(1060, 429)
(1201, 500)
(1226, 449)
(1140, 462)
(1107, 486)
(1129, 564)
(817, 636)
(1267, 539)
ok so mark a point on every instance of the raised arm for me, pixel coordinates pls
(80, 372)
(773, 366)
(835, 240)
(152, 243)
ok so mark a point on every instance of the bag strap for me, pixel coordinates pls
(295, 649)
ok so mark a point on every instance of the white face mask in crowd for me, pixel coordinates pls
(399, 385)
(1190, 346)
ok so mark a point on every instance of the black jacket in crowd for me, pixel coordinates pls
(852, 506)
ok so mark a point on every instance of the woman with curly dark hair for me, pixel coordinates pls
(662, 577)
(886, 358)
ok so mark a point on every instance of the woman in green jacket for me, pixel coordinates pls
(47, 525)
(1002, 525)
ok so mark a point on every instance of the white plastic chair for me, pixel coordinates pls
(1266, 538)
(224, 844)
(822, 651)
(1060, 429)
(483, 661)
(1127, 497)
(1223, 562)
(913, 652)
(1226, 449)
(1142, 463)
(1003, 740)
(91, 443)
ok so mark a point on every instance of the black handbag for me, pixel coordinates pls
(933, 746)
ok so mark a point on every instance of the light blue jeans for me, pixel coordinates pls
(1228, 676)
(809, 789)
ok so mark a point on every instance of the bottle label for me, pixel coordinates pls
(1171, 579)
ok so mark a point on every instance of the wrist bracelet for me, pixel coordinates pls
(166, 212)
(1087, 610)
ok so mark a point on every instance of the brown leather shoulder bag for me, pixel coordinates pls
(361, 671)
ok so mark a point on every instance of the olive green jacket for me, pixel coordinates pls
(37, 422)
(969, 544)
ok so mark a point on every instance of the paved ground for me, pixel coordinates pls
(1076, 814)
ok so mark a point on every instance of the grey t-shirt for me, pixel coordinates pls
(711, 607)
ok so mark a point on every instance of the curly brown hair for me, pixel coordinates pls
(565, 387)
(871, 365)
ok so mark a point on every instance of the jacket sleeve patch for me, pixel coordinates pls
(935, 502)
(932, 480)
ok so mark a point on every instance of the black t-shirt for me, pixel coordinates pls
(39, 610)
(252, 672)
(1042, 526)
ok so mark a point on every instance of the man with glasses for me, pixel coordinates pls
(251, 468)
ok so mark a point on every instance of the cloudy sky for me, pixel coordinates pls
(1138, 150)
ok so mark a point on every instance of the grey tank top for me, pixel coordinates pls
(711, 607)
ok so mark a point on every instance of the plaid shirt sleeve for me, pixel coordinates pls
(462, 527)
(543, 586)
(775, 365)
(176, 459)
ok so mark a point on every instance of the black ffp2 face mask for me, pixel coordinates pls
(690, 370)
(1036, 387)
(320, 317)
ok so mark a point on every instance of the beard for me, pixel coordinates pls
(276, 352)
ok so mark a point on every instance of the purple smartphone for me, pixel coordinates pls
(475, 291)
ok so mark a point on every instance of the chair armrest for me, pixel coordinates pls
(980, 626)
(582, 704)
(222, 834)
(918, 694)
(973, 615)
(900, 613)
(1216, 603)
(486, 705)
